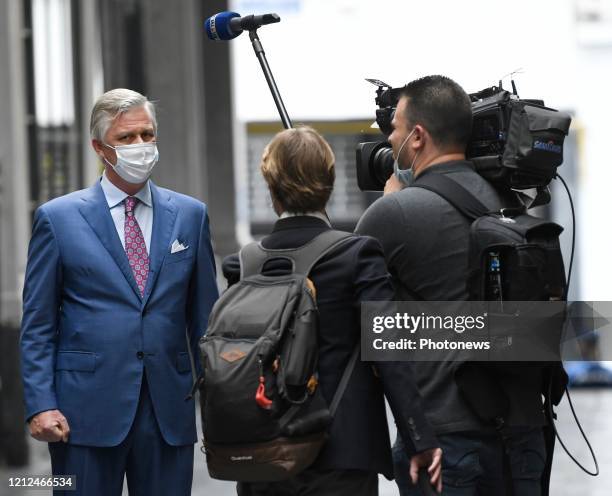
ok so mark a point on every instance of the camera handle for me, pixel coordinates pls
(261, 56)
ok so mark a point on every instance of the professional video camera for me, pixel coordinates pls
(516, 143)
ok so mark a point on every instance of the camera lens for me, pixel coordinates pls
(382, 163)
(374, 165)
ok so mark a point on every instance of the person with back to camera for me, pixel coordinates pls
(426, 241)
(298, 167)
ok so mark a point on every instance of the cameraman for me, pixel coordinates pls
(426, 240)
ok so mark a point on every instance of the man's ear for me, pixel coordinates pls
(95, 144)
(419, 138)
(98, 148)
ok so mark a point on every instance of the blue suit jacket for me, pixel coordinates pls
(87, 335)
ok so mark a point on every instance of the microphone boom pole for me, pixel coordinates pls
(228, 25)
(261, 56)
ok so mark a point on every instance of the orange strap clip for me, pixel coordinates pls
(260, 395)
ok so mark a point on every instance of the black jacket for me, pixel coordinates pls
(352, 273)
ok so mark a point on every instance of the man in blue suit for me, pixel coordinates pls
(119, 284)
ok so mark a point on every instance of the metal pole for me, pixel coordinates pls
(261, 56)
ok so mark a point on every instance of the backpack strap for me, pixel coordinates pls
(253, 256)
(344, 380)
(455, 194)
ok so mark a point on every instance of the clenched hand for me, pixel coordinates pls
(50, 426)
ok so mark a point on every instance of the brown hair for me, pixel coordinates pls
(298, 165)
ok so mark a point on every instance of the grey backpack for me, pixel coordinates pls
(263, 416)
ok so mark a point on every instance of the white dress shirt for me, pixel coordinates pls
(143, 210)
(319, 215)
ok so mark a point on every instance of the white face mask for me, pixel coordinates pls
(135, 162)
(405, 176)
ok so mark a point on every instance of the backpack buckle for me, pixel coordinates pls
(507, 214)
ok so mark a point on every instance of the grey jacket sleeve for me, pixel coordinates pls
(373, 283)
(384, 221)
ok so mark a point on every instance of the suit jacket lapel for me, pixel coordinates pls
(164, 216)
(97, 214)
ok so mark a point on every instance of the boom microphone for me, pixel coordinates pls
(227, 25)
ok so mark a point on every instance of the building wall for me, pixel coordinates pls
(322, 50)
(74, 51)
(14, 191)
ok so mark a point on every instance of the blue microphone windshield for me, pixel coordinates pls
(218, 26)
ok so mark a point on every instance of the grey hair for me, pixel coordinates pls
(115, 102)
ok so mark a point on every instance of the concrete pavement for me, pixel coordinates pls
(594, 409)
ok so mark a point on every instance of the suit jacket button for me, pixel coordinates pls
(140, 355)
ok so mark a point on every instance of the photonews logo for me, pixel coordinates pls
(549, 146)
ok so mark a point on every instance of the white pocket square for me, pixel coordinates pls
(177, 246)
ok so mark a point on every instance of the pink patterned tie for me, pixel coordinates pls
(135, 246)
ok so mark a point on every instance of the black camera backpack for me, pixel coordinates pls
(513, 256)
(522, 249)
(263, 416)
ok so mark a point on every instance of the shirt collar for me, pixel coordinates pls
(318, 215)
(115, 196)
